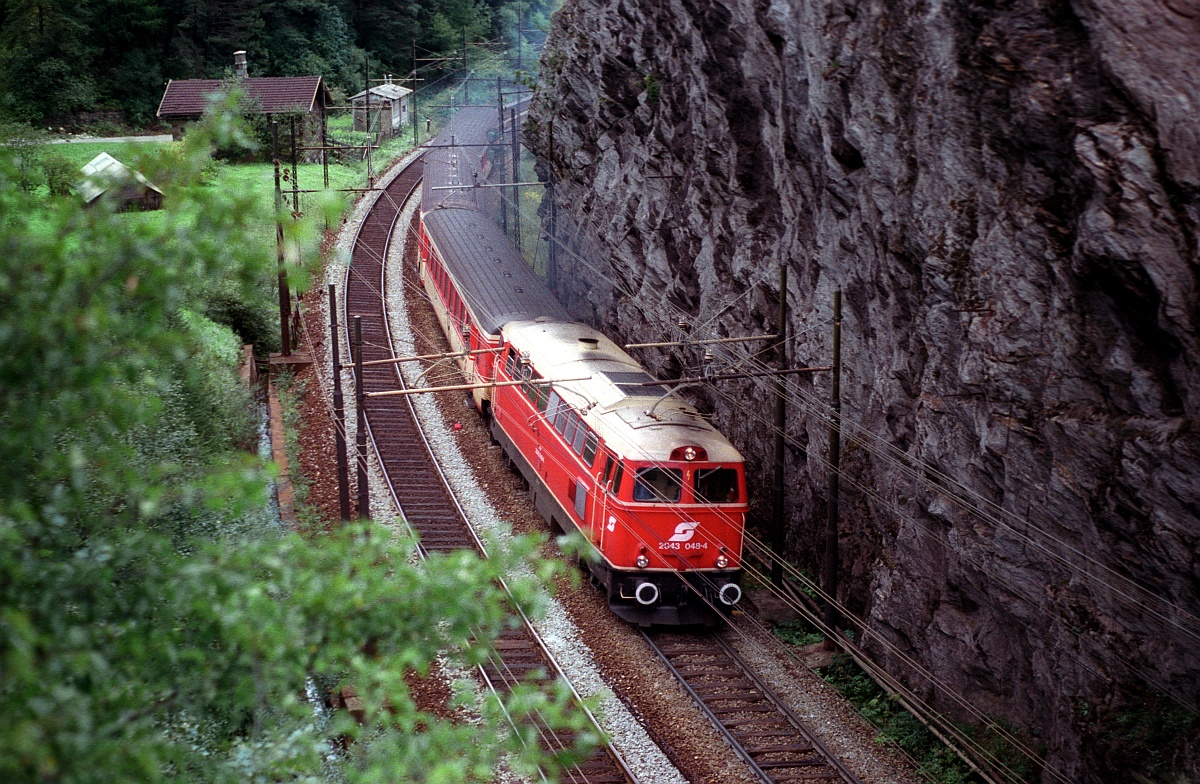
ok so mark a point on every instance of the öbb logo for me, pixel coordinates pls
(684, 532)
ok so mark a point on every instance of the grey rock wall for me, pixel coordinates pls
(1008, 194)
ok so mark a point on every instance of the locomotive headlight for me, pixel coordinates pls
(689, 453)
(722, 562)
(642, 562)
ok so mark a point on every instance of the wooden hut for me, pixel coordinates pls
(104, 177)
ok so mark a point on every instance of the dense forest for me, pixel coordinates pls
(62, 59)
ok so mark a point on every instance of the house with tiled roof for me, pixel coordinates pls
(185, 100)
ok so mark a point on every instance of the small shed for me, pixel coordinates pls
(389, 108)
(105, 176)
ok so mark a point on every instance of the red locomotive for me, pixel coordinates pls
(655, 488)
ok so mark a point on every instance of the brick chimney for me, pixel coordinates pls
(239, 64)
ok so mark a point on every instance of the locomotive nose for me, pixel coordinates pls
(646, 593)
(731, 594)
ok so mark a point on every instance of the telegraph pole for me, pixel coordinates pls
(835, 458)
(339, 412)
(516, 175)
(370, 174)
(285, 297)
(412, 97)
(500, 142)
(779, 534)
(360, 437)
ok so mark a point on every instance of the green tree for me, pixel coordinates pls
(147, 630)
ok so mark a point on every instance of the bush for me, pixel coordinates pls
(61, 174)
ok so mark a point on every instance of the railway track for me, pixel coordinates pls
(773, 741)
(414, 477)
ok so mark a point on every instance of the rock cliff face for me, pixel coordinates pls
(1009, 196)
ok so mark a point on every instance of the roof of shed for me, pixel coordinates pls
(187, 98)
(387, 90)
(103, 172)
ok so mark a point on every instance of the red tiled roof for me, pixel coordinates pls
(187, 98)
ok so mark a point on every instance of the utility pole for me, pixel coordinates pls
(466, 73)
(835, 457)
(552, 256)
(370, 174)
(339, 412)
(325, 147)
(779, 532)
(412, 97)
(516, 175)
(360, 437)
(285, 297)
(295, 171)
(520, 26)
(500, 161)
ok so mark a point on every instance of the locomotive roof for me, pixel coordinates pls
(458, 157)
(611, 398)
(493, 278)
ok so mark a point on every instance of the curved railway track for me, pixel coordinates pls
(413, 475)
(769, 737)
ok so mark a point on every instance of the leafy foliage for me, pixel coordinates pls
(151, 626)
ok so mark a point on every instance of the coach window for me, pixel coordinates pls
(716, 486)
(658, 485)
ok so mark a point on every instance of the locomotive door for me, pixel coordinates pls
(601, 525)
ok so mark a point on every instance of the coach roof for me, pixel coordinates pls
(492, 277)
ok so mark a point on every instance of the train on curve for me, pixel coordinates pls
(654, 487)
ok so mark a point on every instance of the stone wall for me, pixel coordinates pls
(1009, 196)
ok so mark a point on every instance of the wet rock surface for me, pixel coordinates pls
(1009, 198)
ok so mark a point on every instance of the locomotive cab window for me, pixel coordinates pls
(553, 403)
(716, 486)
(658, 485)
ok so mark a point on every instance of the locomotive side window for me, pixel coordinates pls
(571, 427)
(590, 444)
(617, 477)
(716, 486)
(551, 409)
(580, 500)
(577, 442)
(560, 417)
(608, 469)
(658, 485)
(510, 364)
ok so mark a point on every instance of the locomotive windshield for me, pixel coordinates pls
(716, 486)
(658, 485)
